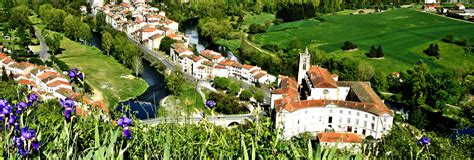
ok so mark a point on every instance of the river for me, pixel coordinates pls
(145, 105)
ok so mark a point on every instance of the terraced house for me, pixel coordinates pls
(316, 102)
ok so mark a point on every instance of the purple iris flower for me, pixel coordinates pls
(23, 152)
(7, 110)
(210, 103)
(124, 122)
(36, 144)
(68, 113)
(3, 103)
(2, 117)
(424, 141)
(20, 106)
(126, 133)
(16, 126)
(27, 134)
(32, 98)
(80, 76)
(66, 103)
(12, 119)
(72, 73)
(17, 141)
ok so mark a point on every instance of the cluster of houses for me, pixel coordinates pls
(334, 112)
(143, 23)
(459, 10)
(43, 81)
(210, 64)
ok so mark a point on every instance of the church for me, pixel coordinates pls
(316, 102)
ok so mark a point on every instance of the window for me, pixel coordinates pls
(325, 91)
(340, 119)
(384, 119)
(355, 130)
(366, 116)
(357, 121)
(349, 112)
(373, 118)
(330, 111)
(365, 124)
(305, 112)
(348, 120)
(363, 131)
(373, 126)
(298, 121)
(330, 119)
(340, 111)
(358, 114)
(349, 129)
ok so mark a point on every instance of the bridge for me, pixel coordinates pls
(221, 120)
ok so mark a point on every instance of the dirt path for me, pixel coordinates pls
(256, 47)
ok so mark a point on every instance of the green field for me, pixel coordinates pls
(403, 34)
(258, 18)
(111, 81)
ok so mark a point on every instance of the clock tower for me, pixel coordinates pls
(304, 65)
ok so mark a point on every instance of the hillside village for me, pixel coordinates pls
(148, 25)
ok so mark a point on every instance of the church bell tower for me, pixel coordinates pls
(303, 65)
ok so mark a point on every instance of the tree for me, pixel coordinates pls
(295, 44)
(53, 41)
(174, 82)
(20, 15)
(213, 28)
(233, 88)
(137, 65)
(375, 52)
(259, 96)
(432, 50)
(107, 41)
(71, 28)
(348, 45)
(221, 83)
(379, 81)
(4, 74)
(448, 39)
(84, 32)
(379, 52)
(418, 118)
(365, 71)
(166, 43)
(245, 95)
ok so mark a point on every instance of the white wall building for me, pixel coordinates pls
(323, 104)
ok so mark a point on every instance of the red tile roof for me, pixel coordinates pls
(247, 66)
(47, 74)
(219, 67)
(27, 82)
(57, 83)
(7, 60)
(260, 75)
(288, 87)
(229, 62)
(148, 29)
(339, 137)
(321, 78)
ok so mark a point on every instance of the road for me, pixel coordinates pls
(44, 49)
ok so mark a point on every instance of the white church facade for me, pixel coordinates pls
(316, 102)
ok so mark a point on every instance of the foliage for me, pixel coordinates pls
(76, 30)
(418, 118)
(448, 38)
(63, 66)
(137, 65)
(295, 12)
(233, 88)
(166, 43)
(432, 50)
(227, 104)
(107, 41)
(20, 20)
(259, 96)
(8, 89)
(348, 45)
(245, 95)
(174, 82)
(257, 28)
(375, 53)
(52, 17)
(221, 82)
(214, 29)
(53, 41)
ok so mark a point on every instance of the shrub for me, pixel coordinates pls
(448, 38)
(245, 95)
(375, 52)
(348, 45)
(432, 50)
(36, 61)
(271, 47)
(257, 28)
(221, 83)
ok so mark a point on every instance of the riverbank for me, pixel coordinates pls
(107, 76)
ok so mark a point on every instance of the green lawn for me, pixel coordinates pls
(232, 44)
(112, 81)
(258, 18)
(403, 33)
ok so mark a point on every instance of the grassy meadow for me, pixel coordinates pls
(403, 34)
(110, 80)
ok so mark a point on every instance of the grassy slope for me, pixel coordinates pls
(398, 31)
(102, 72)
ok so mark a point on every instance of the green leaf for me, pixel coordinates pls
(310, 150)
(244, 149)
(97, 138)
